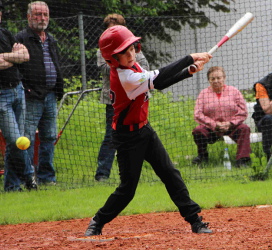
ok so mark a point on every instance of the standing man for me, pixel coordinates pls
(18, 169)
(43, 85)
(107, 152)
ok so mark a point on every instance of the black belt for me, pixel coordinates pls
(132, 127)
(9, 85)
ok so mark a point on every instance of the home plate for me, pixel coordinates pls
(101, 238)
(263, 206)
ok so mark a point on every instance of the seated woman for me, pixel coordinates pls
(221, 110)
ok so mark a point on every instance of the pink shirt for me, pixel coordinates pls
(210, 108)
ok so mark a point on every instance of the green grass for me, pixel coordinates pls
(53, 205)
(76, 161)
(76, 152)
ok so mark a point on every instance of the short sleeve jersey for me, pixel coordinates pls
(137, 109)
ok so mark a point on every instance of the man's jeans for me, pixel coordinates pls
(107, 152)
(12, 117)
(42, 115)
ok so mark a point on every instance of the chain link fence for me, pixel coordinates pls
(171, 111)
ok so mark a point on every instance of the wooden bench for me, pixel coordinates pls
(254, 136)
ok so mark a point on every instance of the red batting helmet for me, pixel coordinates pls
(114, 40)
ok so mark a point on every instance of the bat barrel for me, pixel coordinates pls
(240, 24)
(236, 28)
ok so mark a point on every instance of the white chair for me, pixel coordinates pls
(254, 136)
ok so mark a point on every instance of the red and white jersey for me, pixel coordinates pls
(129, 89)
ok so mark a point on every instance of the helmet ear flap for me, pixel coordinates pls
(112, 62)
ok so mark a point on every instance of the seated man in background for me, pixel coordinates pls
(263, 111)
(221, 110)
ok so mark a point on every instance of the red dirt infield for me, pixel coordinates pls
(234, 228)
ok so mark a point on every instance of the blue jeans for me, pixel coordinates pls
(12, 119)
(106, 152)
(42, 115)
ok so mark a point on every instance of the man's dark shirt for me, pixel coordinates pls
(10, 75)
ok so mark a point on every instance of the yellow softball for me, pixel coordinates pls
(23, 143)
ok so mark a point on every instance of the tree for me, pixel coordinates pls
(190, 12)
(192, 9)
(148, 19)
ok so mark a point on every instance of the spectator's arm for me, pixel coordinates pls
(199, 114)
(4, 64)
(242, 113)
(19, 54)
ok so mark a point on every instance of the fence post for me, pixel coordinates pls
(196, 50)
(82, 50)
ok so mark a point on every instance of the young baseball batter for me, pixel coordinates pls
(133, 136)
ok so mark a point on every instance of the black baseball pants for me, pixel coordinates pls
(132, 149)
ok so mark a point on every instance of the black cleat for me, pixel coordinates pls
(94, 228)
(200, 227)
(200, 159)
(31, 183)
